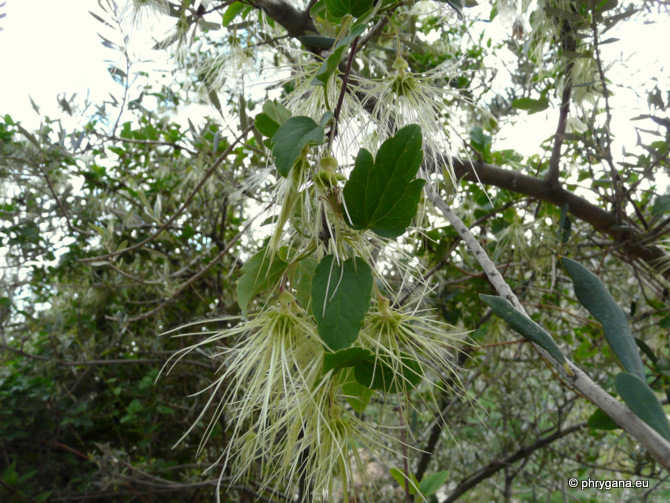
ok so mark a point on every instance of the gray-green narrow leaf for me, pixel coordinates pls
(524, 326)
(593, 295)
(340, 299)
(643, 402)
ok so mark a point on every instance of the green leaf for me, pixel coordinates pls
(42, 497)
(402, 479)
(433, 482)
(645, 349)
(661, 205)
(331, 63)
(601, 421)
(355, 393)
(328, 67)
(344, 358)
(356, 8)
(274, 115)
(292, 136)
(533, 106)
(302, 281)
(232, 12)
(524, 326)
(480, 141)
(643, 402)
(340, 299)
(380, 194)
(260, 273)
(380, 373)
(317, 41)
(593, 295)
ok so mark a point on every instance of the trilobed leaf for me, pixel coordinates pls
(380, 194)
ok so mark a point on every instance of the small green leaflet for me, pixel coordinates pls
(292, 136)
(524, 326)
(355, 393)
(643, 402)
(388, 375)
(344, 358)
(480, 141)
(301, 281)
(333, 60)
(231, 12)
(601, 421)
(356, 8)
(593, 295)
(260, 273)
(402, 479)
(533, 106)
(340, 299)
(274, 115)
(380, 194)
(431, 483)
(661, 205)
(565, 224)
(317, 41)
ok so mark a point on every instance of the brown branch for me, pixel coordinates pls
(495, 466)
(569, 45)
(296, 22)
(601, 219)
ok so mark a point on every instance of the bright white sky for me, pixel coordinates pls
(50, 47)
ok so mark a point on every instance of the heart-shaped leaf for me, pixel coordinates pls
(292, 136)
(340, 299)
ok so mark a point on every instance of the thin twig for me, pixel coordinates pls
(188, 201)
(343, 90)
(194, 277)
(568, 45)
(495, 466)
(616, 180)
(61, 207)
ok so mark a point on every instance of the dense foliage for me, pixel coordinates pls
(123, 220)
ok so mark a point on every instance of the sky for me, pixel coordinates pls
(52, 47)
